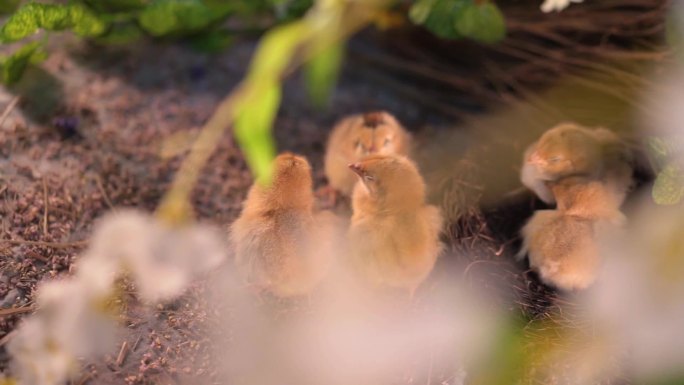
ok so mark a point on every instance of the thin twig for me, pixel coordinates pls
(122, 354)
(54, 245)
(16, 310)
(100, 186)
(85, 378)
(137, 341)
(45, 208)
(8, 337)
(8, 110)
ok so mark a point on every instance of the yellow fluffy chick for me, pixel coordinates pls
(357, 136)
(280, 244)
(572, 150)
(394, 234)
(562, 244)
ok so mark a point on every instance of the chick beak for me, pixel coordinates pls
(356, 167)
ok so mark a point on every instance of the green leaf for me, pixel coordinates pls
(290, 9)
(420, 10)
(660, 151)
(13, 66)
(668, 188)
(452, 19)
(8, 6)
(121, 34)
(212, 42)
(258, 108)
(84, 22)
(321, 73)
(276, 50)
(481, 22)
(55, 17)
(253, 122)
(116, 5)
(179, 17)
(441, 16)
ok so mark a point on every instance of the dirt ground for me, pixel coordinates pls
(88, 136)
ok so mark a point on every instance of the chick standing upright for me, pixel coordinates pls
(357, 136)
(280, 244)
(562, 244)
(394, 234)
(572, 150)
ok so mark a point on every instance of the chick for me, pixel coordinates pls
(589, 199)
(562, 244)
(569, 149)
(357, 136)
(280, 244)
(561, 248)
(394, 234)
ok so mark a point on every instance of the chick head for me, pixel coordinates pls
(392, 180)
(292, 182)
(566, 149)
(377, 133)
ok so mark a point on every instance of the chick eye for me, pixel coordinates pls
(368, 177)
(387, 142)
(555, 159)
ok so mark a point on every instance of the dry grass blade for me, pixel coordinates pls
(16, 310)
(8, 110)
(54, 245)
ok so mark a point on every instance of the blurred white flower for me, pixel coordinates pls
(163, 260)
(35, 360)
(557, 5)
(639, 299)
(72, 319)
(70, 322)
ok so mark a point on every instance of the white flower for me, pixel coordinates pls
(72, 320)
(35, 361)
(69, 323)
(639, 298)
(163, 260)
(557, 5)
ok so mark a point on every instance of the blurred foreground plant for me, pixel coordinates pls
(76, 316)
(317, 40)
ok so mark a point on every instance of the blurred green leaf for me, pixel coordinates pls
(659, 151)
(257, 111)
(277, 49)
(254, 119)
(482, 22)
(675, 380)
(116, 5)
(13, 66)
(420, 10)
(55, 17)
(668, 188)
(452, 19)
(508, 356)
(8, 6)
(177, 17)
(121, 34)
(289, 9)
(321, 73)
(441, 15)
(212, 42)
